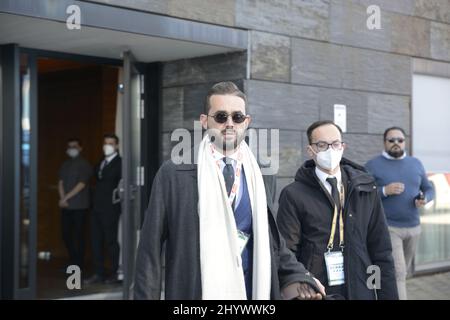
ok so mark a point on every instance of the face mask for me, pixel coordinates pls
(329, 159)
(108, 149)
(72, 152)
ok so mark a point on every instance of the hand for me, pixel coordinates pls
(306, 292)
(63, 203)
(321, 287)
(394, 188)
(420, 203)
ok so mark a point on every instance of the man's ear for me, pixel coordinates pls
(204, 121)
(249, 120)
(310, 151)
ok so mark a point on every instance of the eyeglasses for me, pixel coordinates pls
(393, 140)
(222, 117)
(323, 146)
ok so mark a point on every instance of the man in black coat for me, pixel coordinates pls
(326, 188)
(105, 213)
(173, 217)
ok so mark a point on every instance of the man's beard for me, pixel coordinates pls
(397, 153)
(227, 145)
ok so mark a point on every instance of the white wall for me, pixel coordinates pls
(431, 122)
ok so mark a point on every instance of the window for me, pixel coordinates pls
(430, 143)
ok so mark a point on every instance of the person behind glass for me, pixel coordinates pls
(105, 215)
(333, 220)
(73, 189)
(405, 188)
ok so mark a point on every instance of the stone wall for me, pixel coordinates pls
(185, 84)
(306, 56)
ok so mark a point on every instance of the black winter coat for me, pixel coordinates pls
(305, 215)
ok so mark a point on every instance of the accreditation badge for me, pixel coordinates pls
(242, 240)
(334, 261)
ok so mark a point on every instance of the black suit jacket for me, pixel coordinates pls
(109, 180)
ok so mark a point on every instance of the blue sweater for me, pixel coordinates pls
(400, 210)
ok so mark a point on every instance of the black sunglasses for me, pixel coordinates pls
(222, 117)
(393, 140)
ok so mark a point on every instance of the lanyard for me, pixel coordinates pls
(341, 224)
(218, 157)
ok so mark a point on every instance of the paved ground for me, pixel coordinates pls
(430, 287)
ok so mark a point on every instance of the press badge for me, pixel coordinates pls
(335, 267)
(242, 240)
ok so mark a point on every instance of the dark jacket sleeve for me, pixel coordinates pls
(289, 222)
(290, 270)
(380, 250)
(147, 283)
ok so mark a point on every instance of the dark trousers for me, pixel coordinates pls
(104, 234)
(72, 226)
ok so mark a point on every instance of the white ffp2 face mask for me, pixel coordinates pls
(72, 152)
(329, 159)
(108, 149)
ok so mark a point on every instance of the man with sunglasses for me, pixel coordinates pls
(216, 218)
(333, 220)
(404, 188)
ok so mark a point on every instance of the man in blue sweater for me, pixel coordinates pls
(405, 188)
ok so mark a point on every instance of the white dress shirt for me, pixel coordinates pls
(233, 157)
(323, 178)
(107, 159)
(111, 157)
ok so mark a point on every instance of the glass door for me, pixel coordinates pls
(132, 170)
(18, 173)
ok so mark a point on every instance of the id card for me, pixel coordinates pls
(242, 240)
(335, 267)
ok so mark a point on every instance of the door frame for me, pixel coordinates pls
(9, 182)
(10, 135)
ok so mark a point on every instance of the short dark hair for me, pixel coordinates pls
(74, 139)
(111, 136)
(393, 128)
(223, 88)
(318, 124)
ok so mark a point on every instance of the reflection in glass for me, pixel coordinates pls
(24, 257)
(434, 244)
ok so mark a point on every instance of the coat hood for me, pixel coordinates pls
(356, 173)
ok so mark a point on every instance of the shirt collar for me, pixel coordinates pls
(388, 156)
(323, 176)
(219, 156)
(109, 158)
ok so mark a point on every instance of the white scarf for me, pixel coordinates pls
(220, 260)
